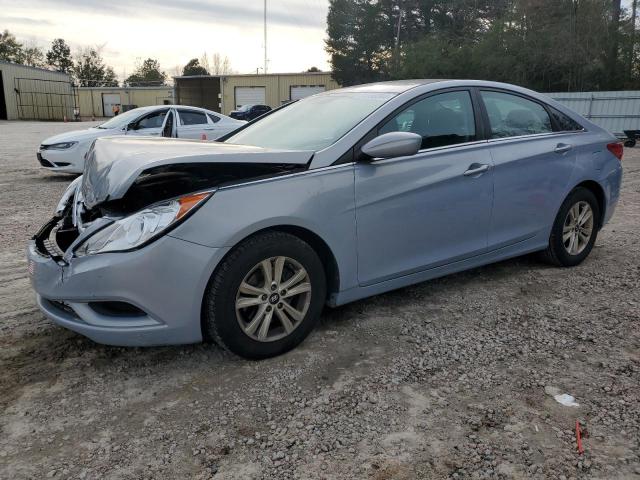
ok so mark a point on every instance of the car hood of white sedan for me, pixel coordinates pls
(114, 163)
(78, 135)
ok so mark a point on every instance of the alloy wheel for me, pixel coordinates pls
(578, 228)
(273, 299)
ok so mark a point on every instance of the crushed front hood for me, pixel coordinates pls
(115, 163)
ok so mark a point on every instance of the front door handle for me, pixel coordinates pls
(476, 169)
(562, 148)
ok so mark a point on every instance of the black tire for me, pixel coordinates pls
(630, 143)
(220, 323)
(556, 253)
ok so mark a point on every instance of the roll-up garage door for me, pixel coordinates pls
(301, 91)
(108, 101)
(250, 96)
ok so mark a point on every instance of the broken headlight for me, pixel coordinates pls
(140, 228)
(68, 193)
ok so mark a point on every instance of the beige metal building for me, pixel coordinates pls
(228, 92)
(29, 93)
(273, 89)
(97, 102)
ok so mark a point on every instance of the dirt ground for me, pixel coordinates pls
(444, 379)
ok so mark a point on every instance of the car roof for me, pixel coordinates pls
(398, 87)
(186, 107)
(395, 86)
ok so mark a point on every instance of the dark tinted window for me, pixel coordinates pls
(191, 117)
(564, 123)
(443, 119)
(512, 116)
(213, 118)
(153, 120)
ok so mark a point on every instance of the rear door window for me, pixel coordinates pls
(442, 119)
(513, 116)
(191, 117)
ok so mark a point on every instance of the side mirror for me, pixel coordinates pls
(393, 144)
(132, 126)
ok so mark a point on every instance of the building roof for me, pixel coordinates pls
(275, 74)
(19, 65)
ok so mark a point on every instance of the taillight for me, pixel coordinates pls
(616, 148)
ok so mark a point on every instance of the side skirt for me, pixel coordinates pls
(522, 248)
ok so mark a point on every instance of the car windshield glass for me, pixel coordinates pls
(123, 119)
(311, 124)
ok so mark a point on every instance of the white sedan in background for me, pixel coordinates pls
(65, 152)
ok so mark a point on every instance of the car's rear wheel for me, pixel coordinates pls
(265, 297)
(575, 229)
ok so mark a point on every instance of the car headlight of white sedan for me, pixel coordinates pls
(59, 146)
(140, 228)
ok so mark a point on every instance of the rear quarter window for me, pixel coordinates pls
(563, 122)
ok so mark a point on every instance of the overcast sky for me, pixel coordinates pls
(174, 31)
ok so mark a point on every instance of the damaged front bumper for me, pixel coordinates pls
(151, 296)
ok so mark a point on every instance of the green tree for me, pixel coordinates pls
(90, 70)
(360, 40)
(32, 56)
(193, 67)
(543, 44)
(59, 56)
(147, 74)
(10, 48)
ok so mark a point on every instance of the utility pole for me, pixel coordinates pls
(265, 37)
(397, 45)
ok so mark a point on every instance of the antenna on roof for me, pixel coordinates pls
(265, 37)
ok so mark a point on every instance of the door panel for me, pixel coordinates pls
(420, 212)
(530, 179)
(532, 167)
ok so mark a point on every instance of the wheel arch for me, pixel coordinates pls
(595, 188)
(314, 240)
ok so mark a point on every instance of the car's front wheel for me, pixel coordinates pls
(575, 229)
(265, 297)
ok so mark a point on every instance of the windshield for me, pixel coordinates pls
(311, 124)
(123, 119)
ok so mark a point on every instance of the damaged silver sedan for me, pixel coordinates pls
(337, 197)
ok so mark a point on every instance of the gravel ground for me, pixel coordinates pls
(444, 379)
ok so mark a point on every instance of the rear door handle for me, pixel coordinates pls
(476, 169)
(563, 148)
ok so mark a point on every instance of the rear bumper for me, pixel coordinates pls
(165, 280)
(612, 183)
